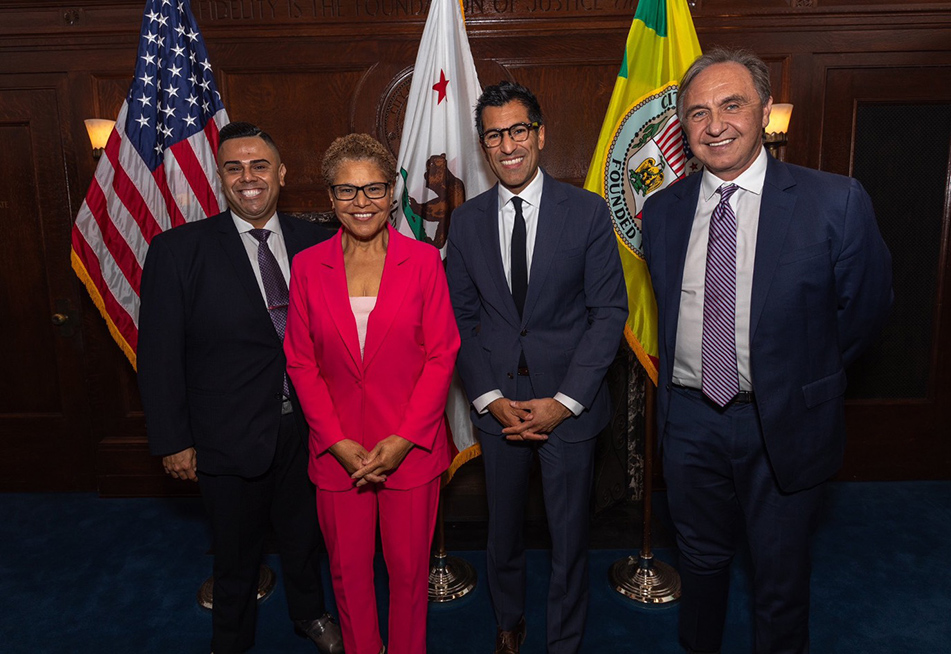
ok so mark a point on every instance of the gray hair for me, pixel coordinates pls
(758, 70)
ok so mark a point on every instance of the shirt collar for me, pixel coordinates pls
(531, 194)
(751, 179)
(243, 226)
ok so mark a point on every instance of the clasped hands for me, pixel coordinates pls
(530, 420)
(373, 466)
(182, 465)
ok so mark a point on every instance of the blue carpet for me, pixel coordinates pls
(81, 574)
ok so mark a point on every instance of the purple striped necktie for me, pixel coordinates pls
(720, 379)
(275, 288)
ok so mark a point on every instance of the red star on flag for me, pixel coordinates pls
(440, 86)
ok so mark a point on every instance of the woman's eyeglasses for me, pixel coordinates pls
(373, 191)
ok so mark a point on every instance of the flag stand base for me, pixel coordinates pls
(266, 582)
(641, 578)
(645, 580)
(449, 578)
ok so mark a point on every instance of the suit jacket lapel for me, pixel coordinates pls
(230, 241)
(396, 280)
(677, 229)
(552, 215)
(775, 216)
(488, 233)
(333, 283)
(292, 236)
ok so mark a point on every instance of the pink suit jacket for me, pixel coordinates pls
(400, 384)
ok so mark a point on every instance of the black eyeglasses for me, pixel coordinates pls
(518, 132)
(373, 191)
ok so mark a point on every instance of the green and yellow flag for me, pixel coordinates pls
(641, 149)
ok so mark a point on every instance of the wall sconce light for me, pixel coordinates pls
(776, 130)
(99, 130)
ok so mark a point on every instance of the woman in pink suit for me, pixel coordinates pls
(371, 342)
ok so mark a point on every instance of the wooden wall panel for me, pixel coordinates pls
(573, 99)
(908, 413)
(109, 93)
(25, 284)
(44, 411)
(311, 70)
(309, 100)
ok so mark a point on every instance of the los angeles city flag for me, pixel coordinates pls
(641, 149)
(158, 168)
(441, 163)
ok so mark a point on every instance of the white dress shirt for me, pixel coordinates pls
(275, 242)
(746, 205)
(531, 200)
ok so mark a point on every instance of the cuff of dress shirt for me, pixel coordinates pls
(570, 404)
(481, 403)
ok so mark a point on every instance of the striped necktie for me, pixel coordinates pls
(720, 379)
(275, 288)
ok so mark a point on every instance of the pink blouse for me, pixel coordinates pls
(362, 306)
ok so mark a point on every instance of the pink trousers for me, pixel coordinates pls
(407, 518)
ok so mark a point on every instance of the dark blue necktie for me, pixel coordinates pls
(519, 262)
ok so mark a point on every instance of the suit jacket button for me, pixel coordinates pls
(524, 332)
(510, 375)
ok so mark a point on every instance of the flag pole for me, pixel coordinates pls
(450, 577)
(439, 135)
(641, 578)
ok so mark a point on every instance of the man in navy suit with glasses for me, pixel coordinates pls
(536, 284)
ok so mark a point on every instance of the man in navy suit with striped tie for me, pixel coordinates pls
(770, 280)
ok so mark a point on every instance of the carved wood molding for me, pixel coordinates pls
(22, 20)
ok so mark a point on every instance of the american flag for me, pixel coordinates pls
(671, 144)
(158, 168)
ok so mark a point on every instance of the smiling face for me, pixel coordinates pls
(363, 219)
(724, 119)
(251, 175)
(515, 164)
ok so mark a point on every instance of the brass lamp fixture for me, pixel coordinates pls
(99, 130)
(776, 130)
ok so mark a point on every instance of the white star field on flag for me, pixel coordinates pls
(173, 94)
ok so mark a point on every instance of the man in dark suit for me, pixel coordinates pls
(770, 280)
(217, 403)
(537, 288)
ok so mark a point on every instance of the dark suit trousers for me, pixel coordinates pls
(719, 480)
(567, 473)
(241, 511)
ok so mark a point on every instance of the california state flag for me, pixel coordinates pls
(441, 163)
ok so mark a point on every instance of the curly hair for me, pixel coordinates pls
(357, 147)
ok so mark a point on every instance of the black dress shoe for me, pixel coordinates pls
(508, 642)
(324, 632)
